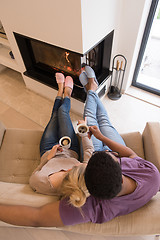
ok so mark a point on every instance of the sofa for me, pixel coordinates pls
(19, 156)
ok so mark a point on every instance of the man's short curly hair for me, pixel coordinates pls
(103, 176)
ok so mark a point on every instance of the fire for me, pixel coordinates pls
(69, 69)
(65, 66)
(67, 54)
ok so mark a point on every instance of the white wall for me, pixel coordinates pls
(52, 21)
(98, 19)
(76, 25)
(132, 20)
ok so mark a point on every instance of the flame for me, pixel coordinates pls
(67, 67)
(66, 56)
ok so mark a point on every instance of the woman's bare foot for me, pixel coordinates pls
(67, 92)
(60, 89)
(91, 85)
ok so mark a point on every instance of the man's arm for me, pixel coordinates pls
(45, 216)
(114, 146)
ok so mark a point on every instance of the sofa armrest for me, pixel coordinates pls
(151, 141)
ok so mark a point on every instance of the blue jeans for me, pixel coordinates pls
(59, 125)
(97, 115)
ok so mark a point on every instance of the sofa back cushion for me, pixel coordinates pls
(19, 155)
(151, 140)
(134, 141)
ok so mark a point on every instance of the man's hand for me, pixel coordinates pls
(54, 150)
(96, 132)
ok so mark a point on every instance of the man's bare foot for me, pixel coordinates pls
(91, 85)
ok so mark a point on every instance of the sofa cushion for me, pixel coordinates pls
(19, 155)
(134, 141)
(2, 131)
(151, 140)
(144, 221)
(15, 193)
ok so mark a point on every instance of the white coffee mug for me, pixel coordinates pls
(65, 142)
(82, 130)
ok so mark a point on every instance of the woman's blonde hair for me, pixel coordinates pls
(73, 186)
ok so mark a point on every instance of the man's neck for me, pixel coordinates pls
(128, 186)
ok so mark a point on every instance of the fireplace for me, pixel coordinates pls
(43, 60)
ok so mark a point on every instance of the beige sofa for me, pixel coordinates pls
(19, 155)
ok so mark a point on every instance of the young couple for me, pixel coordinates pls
(110, 181)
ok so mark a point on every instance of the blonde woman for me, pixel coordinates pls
(59, 163)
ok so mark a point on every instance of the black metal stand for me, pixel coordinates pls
(118, 70)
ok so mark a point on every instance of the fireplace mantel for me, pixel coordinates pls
(74, 25)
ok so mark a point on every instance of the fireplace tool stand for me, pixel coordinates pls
(118, 70)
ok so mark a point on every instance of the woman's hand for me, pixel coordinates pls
(54, 150)
(82, 121)
(96, 132)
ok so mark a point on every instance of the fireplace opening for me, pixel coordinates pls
(43, 60)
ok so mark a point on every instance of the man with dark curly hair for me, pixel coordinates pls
(103, 176)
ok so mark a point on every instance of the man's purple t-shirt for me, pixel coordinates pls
(147, 178)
